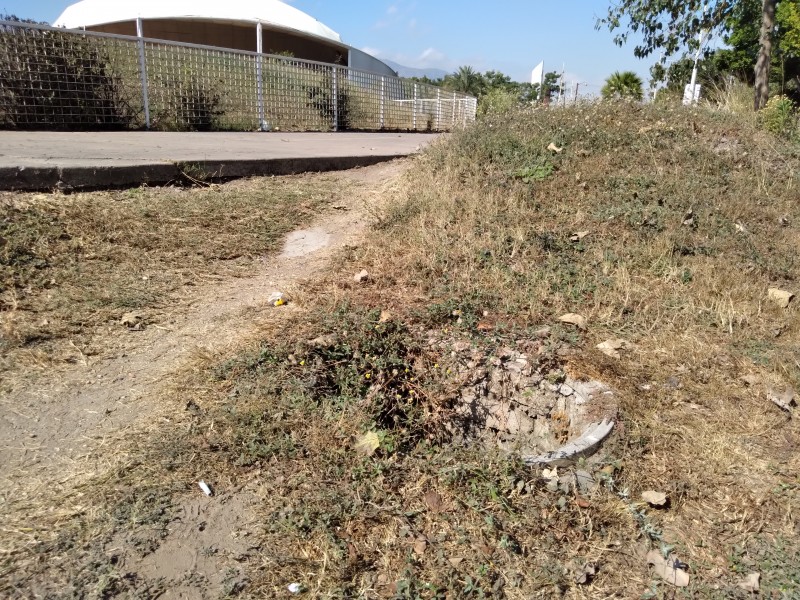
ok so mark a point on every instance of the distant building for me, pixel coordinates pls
(223, 23)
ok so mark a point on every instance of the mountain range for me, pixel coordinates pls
(404, 71)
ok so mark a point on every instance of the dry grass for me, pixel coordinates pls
(72, 265)
(691, 216)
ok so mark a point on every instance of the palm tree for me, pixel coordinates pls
(466, 80)
(626, 85)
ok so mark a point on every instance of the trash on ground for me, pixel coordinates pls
(277, 299)
(583, 446)
(669, 569)
(205, 487)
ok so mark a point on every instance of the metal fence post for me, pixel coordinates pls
(262, 124)
(335, 90)
(453, 120)
(438, 109)
(143, 73)
(383, 100)
(414, 107)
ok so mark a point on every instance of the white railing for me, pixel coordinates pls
(70, 79)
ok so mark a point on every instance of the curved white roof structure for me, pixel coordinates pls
(89, 13)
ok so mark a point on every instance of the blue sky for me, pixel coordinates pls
(507, 35)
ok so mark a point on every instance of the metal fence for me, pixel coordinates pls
(69, 79)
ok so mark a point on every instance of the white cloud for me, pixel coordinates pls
(430, 58)
(372, 51)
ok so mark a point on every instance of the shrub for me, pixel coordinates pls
(779, 116)
(190, 104)
(52, 79)
(625, 85)
(498, 101)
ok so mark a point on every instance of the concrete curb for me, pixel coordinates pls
(114, 176)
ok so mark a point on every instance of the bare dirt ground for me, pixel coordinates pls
(64, 422)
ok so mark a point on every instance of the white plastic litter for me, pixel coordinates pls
(585, 445)
(206, 489)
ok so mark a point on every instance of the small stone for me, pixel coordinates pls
(132, 320)
(461, 346)
(780, 297)
(585, 481)
(565, 390)
(785, 401)
(574, 319)
(517, 366)
(612, 347)
(585, 575)
(578, 236)
(751, 583)
(324, 341)
(519, 423)
(653, 498)
(455, 561)
(420, 545)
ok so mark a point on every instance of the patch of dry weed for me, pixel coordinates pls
(72, 265)
(662, 227)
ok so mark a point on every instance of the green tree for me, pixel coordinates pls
(625, 85)
(466, 80)
(742, 38)
(788, 16)
(427, 80)
(550, 88)
(669, 26)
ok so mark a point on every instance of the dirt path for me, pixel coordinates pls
(65, 419)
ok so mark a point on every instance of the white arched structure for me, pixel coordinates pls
(231, 24)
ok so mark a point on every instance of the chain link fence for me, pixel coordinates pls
(67, 79)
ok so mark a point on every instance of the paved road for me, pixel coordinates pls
(45, 160)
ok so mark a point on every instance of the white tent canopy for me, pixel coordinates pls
(90, 13)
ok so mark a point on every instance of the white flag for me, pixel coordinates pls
(537, 77)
